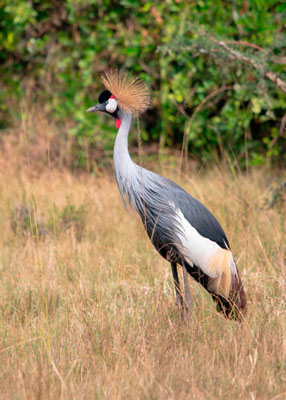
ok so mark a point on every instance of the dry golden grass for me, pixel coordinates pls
(88, 306)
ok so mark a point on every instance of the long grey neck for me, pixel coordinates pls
(126, 170)
(121, 154)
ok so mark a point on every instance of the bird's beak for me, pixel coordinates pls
(98, 107)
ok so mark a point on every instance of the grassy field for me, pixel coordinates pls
(88, 306)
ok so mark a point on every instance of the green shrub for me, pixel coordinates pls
(52, 52)
(70, 217)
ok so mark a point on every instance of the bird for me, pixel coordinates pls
(180, 227)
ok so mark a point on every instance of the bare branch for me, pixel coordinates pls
(275, 59)
(244, 43)
(234, 54)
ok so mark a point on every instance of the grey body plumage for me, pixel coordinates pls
(152, 196)
(147, 192)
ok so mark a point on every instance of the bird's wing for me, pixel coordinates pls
(203, 242)
(178, 221)
(199, 217)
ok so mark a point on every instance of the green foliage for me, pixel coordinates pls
(70, 217)
(53, 53)
(25, 221)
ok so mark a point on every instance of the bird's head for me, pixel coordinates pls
(107, 103)
(124, 94)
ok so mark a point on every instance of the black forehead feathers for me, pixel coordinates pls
(104, 96)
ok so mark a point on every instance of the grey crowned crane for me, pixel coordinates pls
(182, 229)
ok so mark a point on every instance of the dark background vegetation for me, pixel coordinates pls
(216, 69)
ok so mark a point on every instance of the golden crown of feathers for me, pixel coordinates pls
(131, 93)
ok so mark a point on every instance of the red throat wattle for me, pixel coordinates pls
(118, 122)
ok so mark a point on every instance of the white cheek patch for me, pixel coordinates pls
(111, 106)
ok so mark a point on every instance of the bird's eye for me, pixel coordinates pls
(111, 105)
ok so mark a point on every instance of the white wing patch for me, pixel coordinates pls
(214, 261)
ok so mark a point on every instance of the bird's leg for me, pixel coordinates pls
(187, 292)
(179, 297)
